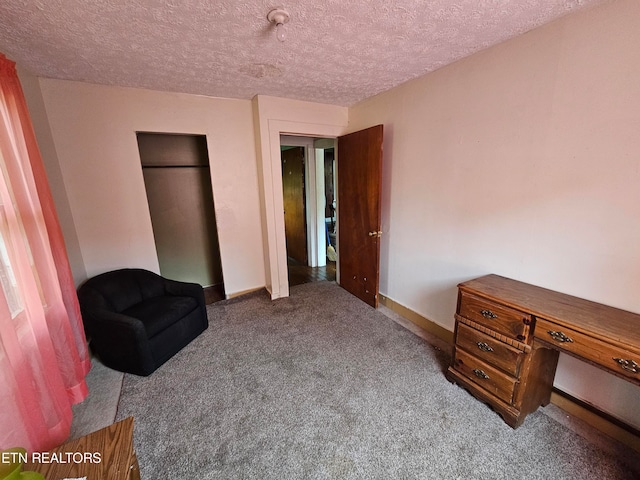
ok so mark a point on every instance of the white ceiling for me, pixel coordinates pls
(337, 51)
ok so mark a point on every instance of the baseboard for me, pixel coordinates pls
(601, 421)
(244, 292)
(213, 293)
(417, 319)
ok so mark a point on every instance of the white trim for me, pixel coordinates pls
(320, 199)
(273, 196)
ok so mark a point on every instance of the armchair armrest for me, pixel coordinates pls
(187, 289)
(120, 340)
(102, 320)
(184, 289)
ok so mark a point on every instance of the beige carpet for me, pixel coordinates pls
(99, 408)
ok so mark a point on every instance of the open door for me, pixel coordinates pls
(359, 181)
(293, 195)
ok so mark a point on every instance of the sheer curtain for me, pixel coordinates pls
(43, 350)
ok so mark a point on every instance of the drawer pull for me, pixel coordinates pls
(488, 314)
(480, 374)
(628, 365)
(560, 337)
(484, 347)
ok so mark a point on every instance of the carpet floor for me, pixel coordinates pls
(321, 386)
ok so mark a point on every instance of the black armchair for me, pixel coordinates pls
(136, 320)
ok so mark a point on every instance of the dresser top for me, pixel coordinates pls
(607, 323)
(114, 444)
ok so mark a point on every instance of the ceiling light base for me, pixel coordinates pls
(278, 16)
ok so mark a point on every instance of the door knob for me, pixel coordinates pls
(375, 234)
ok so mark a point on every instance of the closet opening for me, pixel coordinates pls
(177, 179)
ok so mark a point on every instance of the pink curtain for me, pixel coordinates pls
(43, 350)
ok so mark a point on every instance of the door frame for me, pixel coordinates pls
(277, 277)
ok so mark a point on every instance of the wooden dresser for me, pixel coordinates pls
(508, 335)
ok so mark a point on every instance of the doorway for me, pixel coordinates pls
(308, 188)
(177, 181)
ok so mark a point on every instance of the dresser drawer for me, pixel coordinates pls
(618, 360)
(508, 321)
(491, 379)
(489, 349)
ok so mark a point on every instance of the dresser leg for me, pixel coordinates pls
(542, 370)
(134, 472)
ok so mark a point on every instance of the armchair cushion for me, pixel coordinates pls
(159, 313)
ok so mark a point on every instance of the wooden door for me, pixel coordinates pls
(359, 181)
(293, 193)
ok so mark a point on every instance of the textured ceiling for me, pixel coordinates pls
(337, 51)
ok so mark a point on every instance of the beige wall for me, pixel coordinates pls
(522, 160)
(38, 114)
(94, 132)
